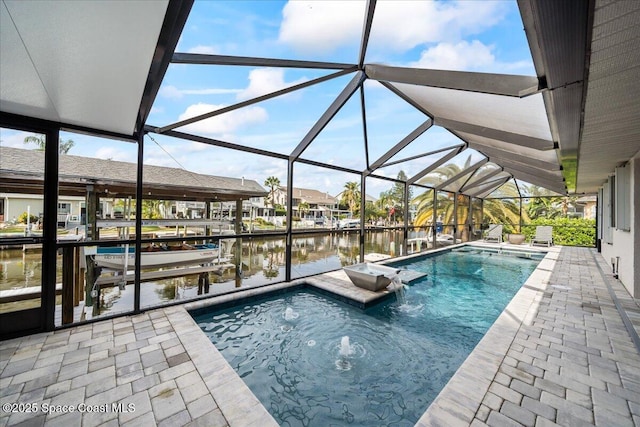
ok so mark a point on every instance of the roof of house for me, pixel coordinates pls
(311, 196)
(368, 197)
(18, 165)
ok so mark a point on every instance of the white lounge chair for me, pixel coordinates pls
(544, 234)
(494, 232)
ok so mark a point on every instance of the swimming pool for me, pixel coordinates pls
(292, 351)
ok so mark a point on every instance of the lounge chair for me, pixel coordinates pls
(544, 234)
(494, 232)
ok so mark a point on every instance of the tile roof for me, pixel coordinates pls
(86, 169)
(311, 196)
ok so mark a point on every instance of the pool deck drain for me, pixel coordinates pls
(553, 357)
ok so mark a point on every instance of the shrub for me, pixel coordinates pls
(263, 222)
(23, 218)
(566, 231)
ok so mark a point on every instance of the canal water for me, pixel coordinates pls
(263, 262)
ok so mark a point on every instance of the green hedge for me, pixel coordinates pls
(566, 231)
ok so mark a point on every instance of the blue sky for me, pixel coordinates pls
(465, 35)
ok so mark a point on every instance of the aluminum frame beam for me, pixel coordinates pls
(444, 159)
(531, 170)
(249, 61)
(333, 109)
(366, 31)
(400, 145)
(509, 155)
(365, 133)
(172, 26)
(400, 94)
(489, 189)
(480, 181)
(219, 143)
(500, 135)
(494, 84)
(462, 173)
(558, 187)
(248, 102)
(417, 156)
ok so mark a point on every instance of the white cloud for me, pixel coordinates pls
(170, 92)
(399, 25)
(261, 82)
(173, 92)
(15, 139)
(224, 124)
(207, 50)
(465, 56)
(321, 26)
(265, 80)
(459, 56)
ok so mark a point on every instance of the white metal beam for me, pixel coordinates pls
(333, 109)
(494, 84)
(500, 135)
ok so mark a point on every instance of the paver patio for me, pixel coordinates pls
(560, 354)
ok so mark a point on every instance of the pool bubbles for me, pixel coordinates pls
(311, 343)
(289, 314)
(347, 352)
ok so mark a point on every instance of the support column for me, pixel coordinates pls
(289, 216)
(50, 226)
(238, 252)
(455, 217)
(405, 231)
(90, 227)
(363, 206)
(67, 285)
(207, 215)
(138, 244)
(92, 203)
(77, 280)
(435, 219)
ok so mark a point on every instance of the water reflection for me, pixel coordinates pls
(262, 261)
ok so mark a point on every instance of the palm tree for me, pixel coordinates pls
(303, 207)
(152, 209)
(272, 182)
(40, 141)
(351, 196)
(385, 202)
(498, 211)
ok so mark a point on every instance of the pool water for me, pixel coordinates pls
(291, 350)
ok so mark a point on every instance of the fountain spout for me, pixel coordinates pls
(345, 347)
(398, 288)
(289, 314)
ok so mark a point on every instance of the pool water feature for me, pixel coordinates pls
(336, 364)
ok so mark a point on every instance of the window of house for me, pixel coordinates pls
(623, 198)
(612, 201)
(64, 208)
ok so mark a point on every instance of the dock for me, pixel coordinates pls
(22, 294)
(107, 281)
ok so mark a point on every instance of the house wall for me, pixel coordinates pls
(626, 244)
(16, 204)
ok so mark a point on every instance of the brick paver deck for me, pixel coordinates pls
(560, 354)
